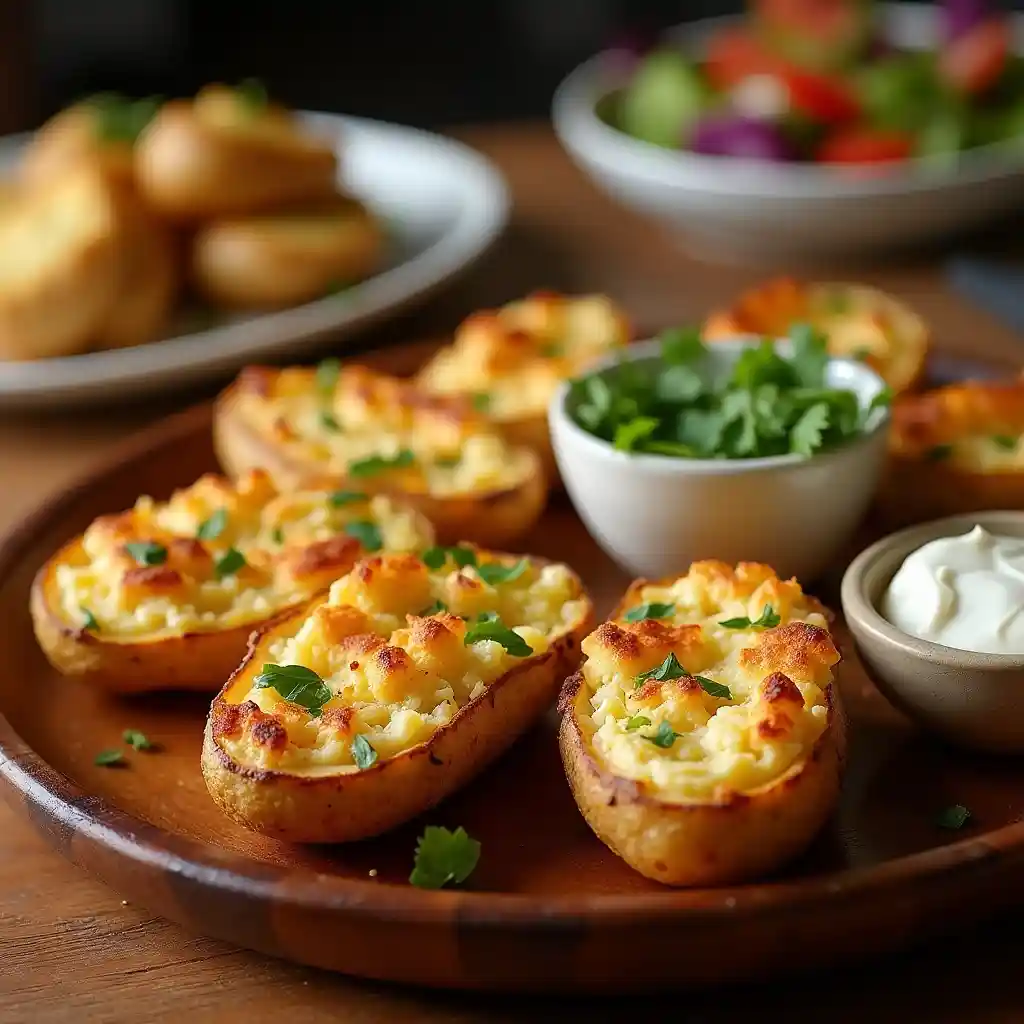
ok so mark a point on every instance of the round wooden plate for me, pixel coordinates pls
(549, 908)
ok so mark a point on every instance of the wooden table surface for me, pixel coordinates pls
(71, 950)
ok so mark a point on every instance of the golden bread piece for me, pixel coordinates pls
(704, 742)
(229, 153)
(370, 706)
(955, 449)
(510, 361)
(165, 595)
(148, 279)
(284, 258)
(859, 322)
(355, 427)
(60, 248)
(97, 134)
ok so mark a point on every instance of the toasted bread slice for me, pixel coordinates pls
(59, 266)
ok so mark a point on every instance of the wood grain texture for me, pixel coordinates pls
(564, 236)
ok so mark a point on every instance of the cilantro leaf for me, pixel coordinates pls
(212, 528)
(713, 689)
(252, 95)
(89, 620)
(437, 606)
(109, 759)
(367, 533)
(362, 752)
(1005, 441)
(481, 401)
(327, 373)
(146, 552)
(494, 629)
(229, 563)
(380, 463)
(277, 535)
(668, 669)
(681, 345)
(443, 856)
(436, 557)
(810, 355)
(329, 423)
(664, 737)
(119, 119)
(628, 435)
(768, 619)
(954, 817)
(637, 722)
(137, 740)
(295, 684)
(808, 432)
(679, 384)
(340, 498)
(495, 572)
(651, 610)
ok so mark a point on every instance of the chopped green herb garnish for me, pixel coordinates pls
(146, 552)
(668, 669)
(443, 856)
(664, 737)
(436, 557)
(367, 533)
(380, 463)
(652, 610)
(862, 354)
(552, 350)
(109, 758)
(329, 423)
(637, 722)
(447, 461)
(437, 606)
(768, 619)
(327, 373)
(495, 572)
(137, 740)
(252, 95)
(212, 528)
(119, 119)
(481, 401)
(769, 404)
(362, 753)
(494, 629)
(277, 535)
(939, 452)
(1005, 441)
(229, 563)
(713, 689)
(340, 498)
(954, 817)
(89, 620)
(296, 684)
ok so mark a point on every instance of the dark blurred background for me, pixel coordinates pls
(429, 64)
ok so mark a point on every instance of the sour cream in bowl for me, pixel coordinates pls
(937, 615)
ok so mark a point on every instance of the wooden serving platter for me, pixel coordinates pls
(549, 908)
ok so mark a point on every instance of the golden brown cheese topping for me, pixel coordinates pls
(218, 555)
(392, 654)
(511, 360)
(379, 431)
(713, 683)
(972, 426)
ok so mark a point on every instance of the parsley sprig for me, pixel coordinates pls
(296, 684)
(443, 856)
(769, 404)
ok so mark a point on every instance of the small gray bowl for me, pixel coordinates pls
(973, 700)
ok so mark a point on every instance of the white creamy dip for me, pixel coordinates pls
(965, 592)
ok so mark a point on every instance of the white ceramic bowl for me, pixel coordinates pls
(656, 514)
(759, 211)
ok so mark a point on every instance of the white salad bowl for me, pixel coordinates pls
(655, 514)
(758, 211)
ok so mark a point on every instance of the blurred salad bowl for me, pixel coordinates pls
(886, 125)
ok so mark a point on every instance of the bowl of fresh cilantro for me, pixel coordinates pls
(745, 449)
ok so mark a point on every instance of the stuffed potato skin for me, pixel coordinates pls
(218, 156)
(257, 764)
(860, 322)
(143, 601)
(955, 449)
(718, 833)
(287, 257)
(510, 361)
(492, 494)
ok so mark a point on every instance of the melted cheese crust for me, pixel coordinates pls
(397, 672)
(294, 545)
(456, 452)
(974, 427)
(519, 354)
(777, 679)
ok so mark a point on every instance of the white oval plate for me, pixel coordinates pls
(444, 205)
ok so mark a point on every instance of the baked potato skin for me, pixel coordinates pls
(286, 258)
(492, 520)
(192, 661)
(189, 169)
(701, 843)
(343, 808)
